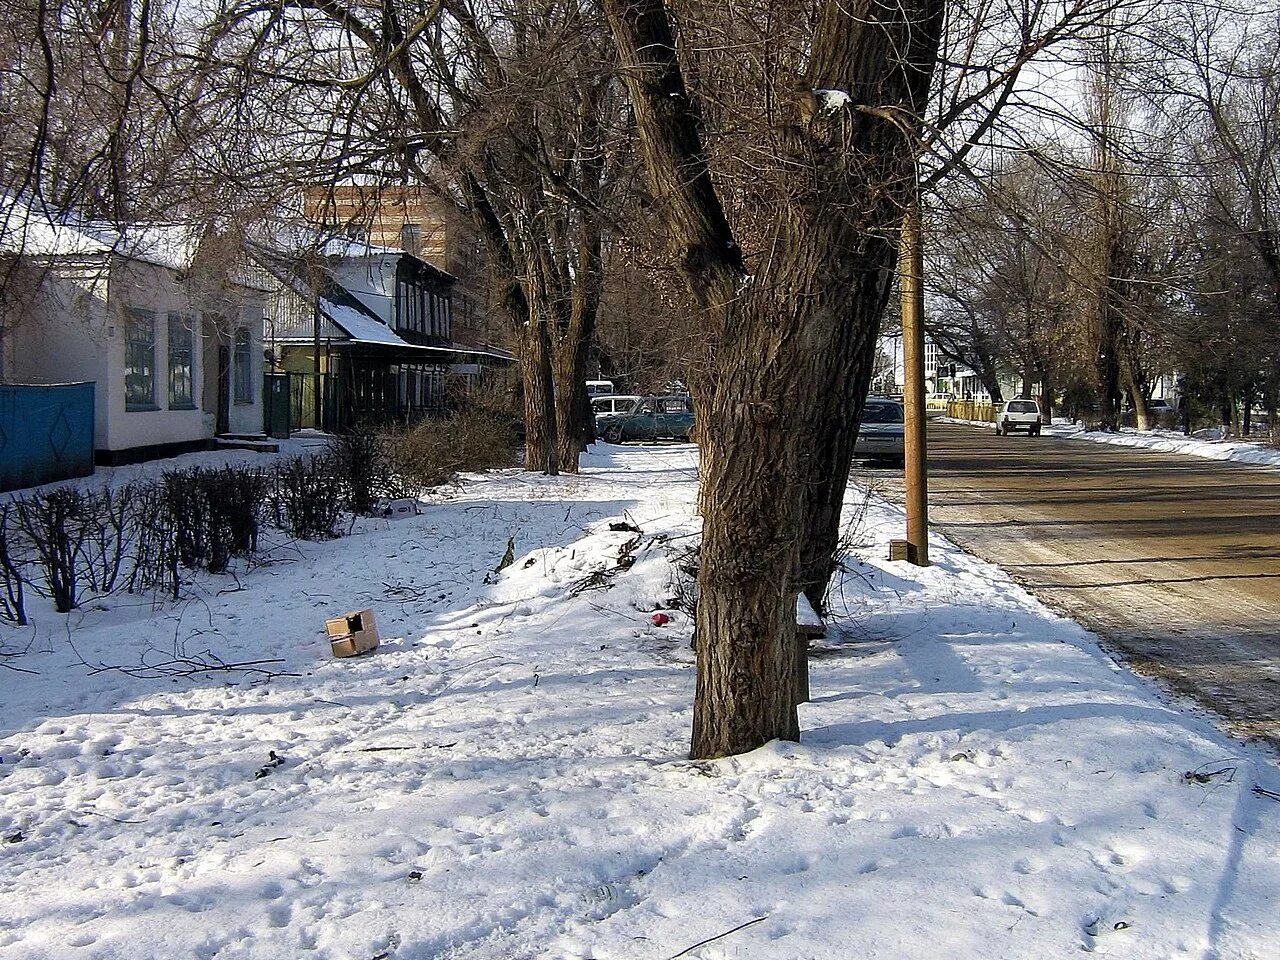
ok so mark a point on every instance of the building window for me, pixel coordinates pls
(244, 366)
(446, 324)
(140, 360)
(181, 379)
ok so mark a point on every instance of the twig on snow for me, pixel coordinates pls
(719, 936)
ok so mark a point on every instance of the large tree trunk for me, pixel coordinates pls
(540, 443)
(575, 424)
(830, 427)
(777, 341)
(751, 514)
(571, 390)
(1046, 396)
(1107, 360)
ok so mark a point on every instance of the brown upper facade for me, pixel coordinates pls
(418, 222)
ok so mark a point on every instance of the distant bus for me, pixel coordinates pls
(599, 388)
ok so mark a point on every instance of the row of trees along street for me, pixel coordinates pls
(1140, 243)
(1097, 178)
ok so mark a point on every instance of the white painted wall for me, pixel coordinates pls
(75, 331)
(61, 335)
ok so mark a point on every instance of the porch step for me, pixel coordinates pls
(246, 441)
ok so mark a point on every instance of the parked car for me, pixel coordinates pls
(599, 388)
(1161, 413)
(1019, 415)
(649, 418)
(613, 403)
(880, 432)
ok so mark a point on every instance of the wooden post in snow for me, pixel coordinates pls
(915, 459)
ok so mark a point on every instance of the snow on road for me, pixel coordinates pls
(505, 776)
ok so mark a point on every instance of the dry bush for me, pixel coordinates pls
(362, 459)
(308, 498)
(214, 513)
(13, 597)
(434, 451)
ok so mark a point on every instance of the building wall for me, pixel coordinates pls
(76, 331)
(60, 333)
(445, 239)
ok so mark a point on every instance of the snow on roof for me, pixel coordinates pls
(361, 327)
(484, 350)
(32, 229)
(345, 247)
(27, 230)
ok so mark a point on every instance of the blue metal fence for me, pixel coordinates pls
(46, 433)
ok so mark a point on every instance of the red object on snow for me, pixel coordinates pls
(660, 619)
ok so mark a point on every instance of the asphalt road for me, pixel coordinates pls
(1174, 560)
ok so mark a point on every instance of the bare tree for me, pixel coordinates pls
(780, 179)
(506, 111)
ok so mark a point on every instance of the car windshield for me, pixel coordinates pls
(877, 411)
(1023, 406)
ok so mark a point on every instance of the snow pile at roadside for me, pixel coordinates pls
(505, 776)
(1203, 444)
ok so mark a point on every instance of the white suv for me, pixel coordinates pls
(1019, 415)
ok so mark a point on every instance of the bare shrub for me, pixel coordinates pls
(309, 497)
(155, 542)
(434, 451)
(361, 458)
(13, 598)
(215, 514)
(108, 519)
(57, 525)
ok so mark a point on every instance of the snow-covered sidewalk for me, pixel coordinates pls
(505, 776)
(1204, 443)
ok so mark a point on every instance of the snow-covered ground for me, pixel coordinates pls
(505, 776)
(1209, 444)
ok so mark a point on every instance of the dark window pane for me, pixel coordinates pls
(181, 381)
(244, 366)
(140, 359)
(882, 413)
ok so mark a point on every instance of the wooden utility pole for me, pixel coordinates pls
(911, 283)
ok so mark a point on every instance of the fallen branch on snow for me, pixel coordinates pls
(719, 936)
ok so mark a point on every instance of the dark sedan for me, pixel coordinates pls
(649, 418)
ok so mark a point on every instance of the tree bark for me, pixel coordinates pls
(779, 392)
(826, 454)
(540, 441)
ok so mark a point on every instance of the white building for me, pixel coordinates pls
(942, 375)
(170, 336)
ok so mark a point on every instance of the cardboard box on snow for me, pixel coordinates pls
(352, 633)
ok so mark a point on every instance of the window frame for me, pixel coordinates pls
(135, 316)
(183, 324)
(242, 391)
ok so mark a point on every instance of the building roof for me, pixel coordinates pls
(30, 228)
(342, 248)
